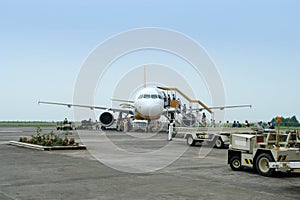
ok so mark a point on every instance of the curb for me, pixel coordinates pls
(46, 148)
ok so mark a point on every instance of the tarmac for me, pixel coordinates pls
(77, 174)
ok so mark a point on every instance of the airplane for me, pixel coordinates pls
(150, 104)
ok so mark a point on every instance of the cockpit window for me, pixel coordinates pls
(147, 96)
(152, 96)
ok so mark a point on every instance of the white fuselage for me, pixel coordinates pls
(149, 104)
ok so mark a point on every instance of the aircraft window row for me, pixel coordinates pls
(148, 96)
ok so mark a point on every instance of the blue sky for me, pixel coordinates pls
(254, 44)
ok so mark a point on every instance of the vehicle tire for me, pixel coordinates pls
(235, 163)
(103, 128)
(219, 143)
(262, 164)
(190, 141)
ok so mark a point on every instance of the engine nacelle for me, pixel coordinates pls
(106, 119)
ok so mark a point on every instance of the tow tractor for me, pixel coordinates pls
(266, 152)
(64, 126)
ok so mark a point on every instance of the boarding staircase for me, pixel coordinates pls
(188, 119)
(186, 97)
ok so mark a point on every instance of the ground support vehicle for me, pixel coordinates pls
(145, 125)
(266, 153)
(140, 125)
(86, 124)
(63, 126)
(220, 137)
(194, 136)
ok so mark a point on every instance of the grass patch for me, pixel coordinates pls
(288, 127)
(26, 123)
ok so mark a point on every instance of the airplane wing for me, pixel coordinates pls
(124, 110)
(124, 101)
(223, 107)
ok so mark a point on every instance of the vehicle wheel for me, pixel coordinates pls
(235, 163)
(190, 141)
(103, 128)
(262, 165)
(219, 143)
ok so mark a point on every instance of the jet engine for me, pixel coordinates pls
(106, 119)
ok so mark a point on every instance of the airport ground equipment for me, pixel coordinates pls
(188, 119)
(189, 115)
(86, 124)
(63, 126)
(266, 152)
(186, 97)
(140, 125)
(220, 137)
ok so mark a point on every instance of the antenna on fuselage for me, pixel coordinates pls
(145, 76)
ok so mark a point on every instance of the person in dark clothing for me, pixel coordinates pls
(271, 125)
(169, 100)
(247, 123)
(234, 124)
(65, 121)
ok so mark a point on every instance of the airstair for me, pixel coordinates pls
(186, 97)
(188, 119)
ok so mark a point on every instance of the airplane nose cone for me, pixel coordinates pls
(152, 110)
